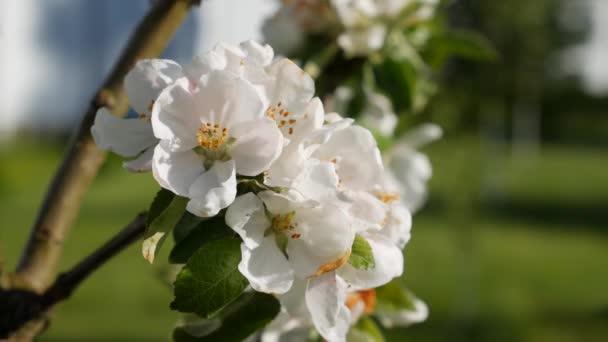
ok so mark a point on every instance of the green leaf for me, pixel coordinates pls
(246, 315)
(394, 296)
(211, 279)
(185, 225)
(461, 43)
(165, 211)
(397, 79)
(205, 231)
(366, 329)
(361, 255)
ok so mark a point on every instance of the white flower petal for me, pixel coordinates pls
(325, 298)
(281, 203)
(378, 113)
(288, 165)
(224, 99)
(388, 260)
(125, 137)
(259, 54)
(175, 116)
(176, 171)
(290, 85)
(317, 180)
(398, 226)
(310, 120)
(412, 170)
(356, 155)
(204, 64)
(362, 41)
(213, 190)
(258, 143)
(422, 135)
(404, 318)
(326, 235)
(147, 79)
(247, 217)
(366, 208)
(266, 267)
(143, 162)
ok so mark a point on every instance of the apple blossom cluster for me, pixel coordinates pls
(240, 134)
(360, 26)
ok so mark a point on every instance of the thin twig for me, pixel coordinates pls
(20, 306)
(38, 262)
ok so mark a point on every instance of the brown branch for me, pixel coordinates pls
(82, 159)
(18, 307)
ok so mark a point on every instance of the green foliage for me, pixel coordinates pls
(210, 280)
(164, 213)
(461, 43)
(185, 225)
(397, 79)
(361, 255)
(203, 232)
(366, 329)
(394, 296)
(247, 314)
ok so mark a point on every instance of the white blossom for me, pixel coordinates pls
(208, 135)
(410, 170)
(133, 137)
(378, 113)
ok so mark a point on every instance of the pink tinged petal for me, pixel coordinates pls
(258, 144)
(176, 171)
(175, 116)
(125, 137)
(388, 265)
(325, 299)
(247, 217)
(325, 237)
(143, 163)
(224, 99)
(147, 79)
(214, 190)
(266, 267)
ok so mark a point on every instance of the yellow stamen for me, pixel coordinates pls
(388, 197)
(210, 136)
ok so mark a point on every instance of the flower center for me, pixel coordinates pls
(284, 223)
(211, 136)
(282, 117)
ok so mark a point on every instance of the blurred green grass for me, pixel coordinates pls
(512, 246)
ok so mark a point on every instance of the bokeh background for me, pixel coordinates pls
(511, 246)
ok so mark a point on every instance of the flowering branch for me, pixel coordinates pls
(82, 160)
(20, 306)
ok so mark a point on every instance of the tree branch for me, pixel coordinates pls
(38, 262)
(18, 307)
